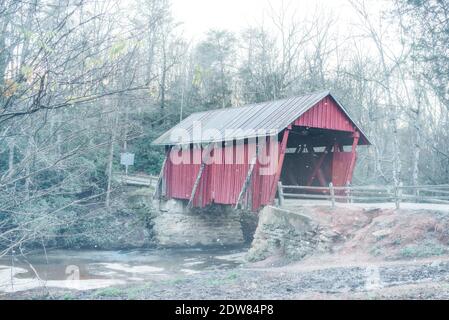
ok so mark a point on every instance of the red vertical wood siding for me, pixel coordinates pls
(181, 177)
(326, 114)
(220, 183)
(340, 165)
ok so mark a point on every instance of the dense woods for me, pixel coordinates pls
(83, 81)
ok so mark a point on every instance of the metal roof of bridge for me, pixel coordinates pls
(244, 122)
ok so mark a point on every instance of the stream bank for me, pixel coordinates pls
(401, 280)
(82, 270)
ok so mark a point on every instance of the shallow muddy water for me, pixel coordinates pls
(83, 270)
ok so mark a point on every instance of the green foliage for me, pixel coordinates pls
(109, 292)
(423, 250)
(117, 49)
(233, 276)
(137, 292)
(149, 159)
(68, 296)
(213, 71)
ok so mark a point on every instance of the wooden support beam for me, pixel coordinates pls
(247, 179)
(200, 174)
(300, 149)
(336, 147)
(317, 169)
(195, 185)
(157, 191)
(321, 177)
(281, 194)
(280, 163)
(355, 142)
(332, 193)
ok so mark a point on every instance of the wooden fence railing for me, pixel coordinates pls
(367, 194)
(136, 180)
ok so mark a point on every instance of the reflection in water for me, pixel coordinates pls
(85, 270)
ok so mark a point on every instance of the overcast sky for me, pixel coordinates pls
(199, 16)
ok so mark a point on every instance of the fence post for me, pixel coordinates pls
(281, 194)
(398, 195)
(348, 192)
(332, 192)
(416, 194)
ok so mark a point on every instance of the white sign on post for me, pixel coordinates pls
(127, 159)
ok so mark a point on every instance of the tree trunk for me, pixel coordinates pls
(163, 77)
(111, 157)
(28, 164)
(11, 157)
(417, 150)
(11, 165)
(396, 154)
(3, 60)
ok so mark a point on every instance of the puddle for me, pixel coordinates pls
(85, 270)
(127, 268)
(190, 271)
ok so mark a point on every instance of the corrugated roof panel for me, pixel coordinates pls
(243, 122)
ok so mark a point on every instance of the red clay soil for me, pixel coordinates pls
(385, 233)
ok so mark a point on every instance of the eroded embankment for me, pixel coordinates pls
(380, 233)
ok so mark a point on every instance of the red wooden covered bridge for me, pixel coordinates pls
(236, 156)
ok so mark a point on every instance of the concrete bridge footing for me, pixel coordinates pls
(175, 225)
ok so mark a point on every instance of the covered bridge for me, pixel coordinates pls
(236, 156)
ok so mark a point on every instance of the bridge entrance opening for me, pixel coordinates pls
(316, 157)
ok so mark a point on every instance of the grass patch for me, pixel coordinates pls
(233, 276)
(136, 292)
(109, 292)
(230, 278)
(217, 282)
(376, 251)
(68, 296)
(174, 281)
(423, 250)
